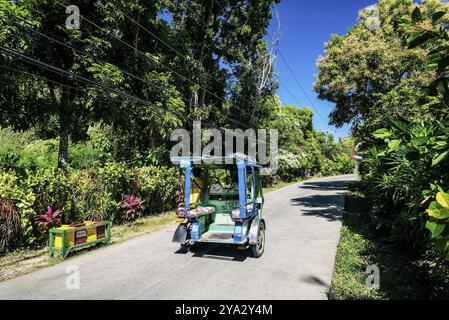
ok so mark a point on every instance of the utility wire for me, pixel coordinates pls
(41, 78)
(159, 62)
(72, 75)
(179, 53)
(146, 56)
(106, 88)
(302, 88)
(122, 70)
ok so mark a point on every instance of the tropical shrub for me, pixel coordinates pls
(158, 187)
(89, 198)
(406, 166)
(132, 208)
(9, 225)
(49, 186)
(116, 178)
(48, 220)
(438, 223)
(19, 204)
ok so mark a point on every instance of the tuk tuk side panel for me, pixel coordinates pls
(242, 188)
(260, 197)
(188, 177)
(241, 168)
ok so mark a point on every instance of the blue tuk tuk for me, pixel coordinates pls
(223, 203)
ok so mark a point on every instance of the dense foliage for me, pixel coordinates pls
(391, 83)
(31, 203)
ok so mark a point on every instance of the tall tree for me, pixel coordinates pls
(369, 74)
(225, 39)
(107, 48)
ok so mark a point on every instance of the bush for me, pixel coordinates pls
(84, 156)
(157, 186)
(9, 225)
(102, 194)
(50, 188)
(89, 198)
(17, 204)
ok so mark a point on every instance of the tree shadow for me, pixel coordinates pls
(326, 185)
(324, 206)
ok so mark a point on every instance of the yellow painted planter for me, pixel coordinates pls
(65, 239)
(91, 230)
(69, 240)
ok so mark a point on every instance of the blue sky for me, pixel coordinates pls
(306, 25)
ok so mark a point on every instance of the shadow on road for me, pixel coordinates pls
(218, 252)
(326, 185)
(324, 206)
(314, 280)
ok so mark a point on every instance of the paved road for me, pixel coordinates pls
(303, 225)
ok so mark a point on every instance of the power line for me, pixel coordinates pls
(42, 78)
(159, 62)
(302, 88)
(106, 88)
(179, 53)
(122, 70)
(69, 74)
(146, 56)
(291, 94)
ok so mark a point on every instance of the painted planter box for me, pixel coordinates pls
(68, 238)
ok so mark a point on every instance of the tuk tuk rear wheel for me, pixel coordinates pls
(188, 247)
(259, 248)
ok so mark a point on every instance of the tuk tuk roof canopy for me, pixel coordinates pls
(217, 161)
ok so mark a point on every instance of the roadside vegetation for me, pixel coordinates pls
(402, 274)
(389, 78)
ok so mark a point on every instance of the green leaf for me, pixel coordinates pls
(413, 36)
(382, 133)
(443, 199)
(419, 141)
(416, 15)
(435, 228)
(438, 15)
(439, 158)
(439, 214)
(403, 22)
(435, 58)
(416, 39)
(394, 144)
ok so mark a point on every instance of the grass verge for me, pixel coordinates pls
(402, 276)
(280, 185)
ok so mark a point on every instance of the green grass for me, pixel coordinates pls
(278, 186)
(402, 276)
(350, 265)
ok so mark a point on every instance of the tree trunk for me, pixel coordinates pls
(64, 129)
(200, 94)
(63, 149)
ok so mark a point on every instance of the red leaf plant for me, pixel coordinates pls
(133, 207)
(50, 219)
